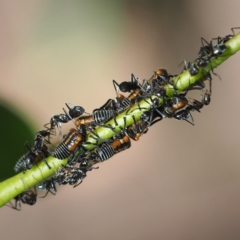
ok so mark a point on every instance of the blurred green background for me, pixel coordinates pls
(14, 132)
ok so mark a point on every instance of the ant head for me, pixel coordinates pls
(124, 86)
(29, 197)
(77, 111)
(42, 134)
(74, 111)
(120, 97)
(161, 72)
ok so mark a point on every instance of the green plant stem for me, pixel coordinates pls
(15, 185)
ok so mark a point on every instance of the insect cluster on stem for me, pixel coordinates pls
(149, 96)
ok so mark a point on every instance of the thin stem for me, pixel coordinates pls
(15, 185)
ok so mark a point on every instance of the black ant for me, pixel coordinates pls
(208, 51)
(136, 89)
(192, 67)
(28, 197)
(160, 77)
(132, 85)
(206, 97)
(39, 151)
(185, 114)
(220, 46)
(113, 106)
(49, 186)
(155, 111)
(56, 120)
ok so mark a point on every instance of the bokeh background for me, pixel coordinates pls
(178, 182)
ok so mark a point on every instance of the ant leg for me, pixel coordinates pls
(66, 113)
(209, 78)
(45, 161)
(192, 123)
(54, 192)
(103, 106)
(18, 205)
(117, 91)
(115, 121)
(185, 65)
(114, 85)
(215, 73)
(132, 78)
(203, 40)
(232, 29)
(139, 108)
(46, 194)
(96, 138)
(135, 80)
(125, 125)
(153, 122)
(77, 184)
(160, 115)
(110, 127)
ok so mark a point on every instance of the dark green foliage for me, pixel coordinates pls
(14, 132)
